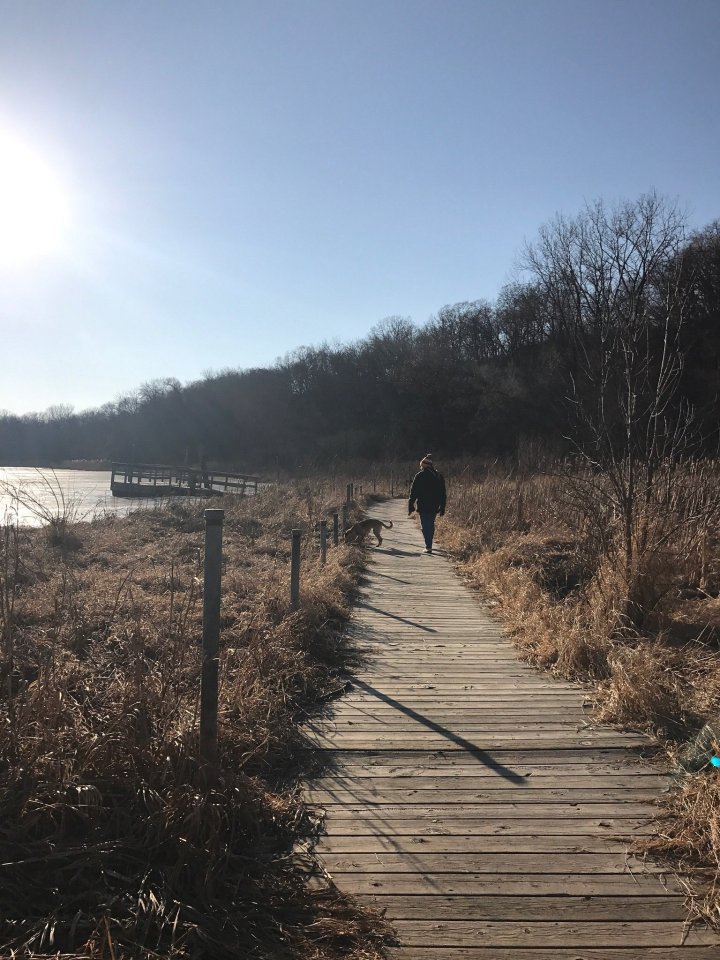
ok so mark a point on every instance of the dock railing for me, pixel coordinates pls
(153, 479)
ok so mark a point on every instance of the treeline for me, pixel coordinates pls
(618, 305)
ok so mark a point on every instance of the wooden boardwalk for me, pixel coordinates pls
(472, 798)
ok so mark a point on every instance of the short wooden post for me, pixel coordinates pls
(392, 485)
(348, 494)
(336, 532)
(211, 639)
(344, 518)
(295, 569)
(323, 542)
(373, 484)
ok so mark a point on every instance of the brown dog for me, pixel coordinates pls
(358, 531)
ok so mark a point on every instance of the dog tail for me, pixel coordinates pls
(388, 525)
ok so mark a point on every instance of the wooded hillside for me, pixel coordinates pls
(617, 303)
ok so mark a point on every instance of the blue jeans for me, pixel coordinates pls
(427, 525)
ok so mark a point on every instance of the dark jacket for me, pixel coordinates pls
(428, 491)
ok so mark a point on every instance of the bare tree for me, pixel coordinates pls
(612, 278)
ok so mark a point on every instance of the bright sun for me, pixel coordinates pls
(33, 205)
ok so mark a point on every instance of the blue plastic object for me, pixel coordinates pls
(715, 761)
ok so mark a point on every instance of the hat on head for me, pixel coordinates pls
(427, 460)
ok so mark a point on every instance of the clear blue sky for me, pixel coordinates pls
(248, 177)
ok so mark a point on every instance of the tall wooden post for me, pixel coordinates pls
(211, 639)
(336, 532)
(348, 494)
(323, 541)
(345, 517)
(295, 569)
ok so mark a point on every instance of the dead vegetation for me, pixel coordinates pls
(644, 635)
(113, 844)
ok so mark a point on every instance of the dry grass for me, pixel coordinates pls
(552, 568)
(113, 843)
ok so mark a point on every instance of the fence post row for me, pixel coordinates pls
(295, 569)
(324, 534)
(212, 583)
(211, 639)
(323, 542)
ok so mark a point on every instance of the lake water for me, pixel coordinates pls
(32, 496)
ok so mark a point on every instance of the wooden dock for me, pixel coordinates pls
(146, 480)
(471, 796)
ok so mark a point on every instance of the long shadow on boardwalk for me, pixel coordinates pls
(476, 752)
(393, 616)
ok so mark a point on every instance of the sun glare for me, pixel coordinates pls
(33, 205)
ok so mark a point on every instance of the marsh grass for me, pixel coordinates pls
(50, 504)
(113, 844)
(550, 563)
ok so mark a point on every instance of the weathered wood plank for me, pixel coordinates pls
(434, 952)
(590, 933)
(405, 740)
(527, 794)
(526, 755)
(481, 885)
(560, 772)
(535, 781)
(520, 908)
(560, 810)
(488, 863)
(470, 844)
(451, 826)
(479, 721)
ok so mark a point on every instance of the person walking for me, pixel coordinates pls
(427, 494)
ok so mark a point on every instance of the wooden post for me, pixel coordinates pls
(211, 639)
(295, 569)
(344, 518)
(348, 494)
(323, 542)
(392, 485)
(336, 532)
(373, 484)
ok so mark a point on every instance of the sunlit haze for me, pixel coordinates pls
(189, 187)
(33, 206)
